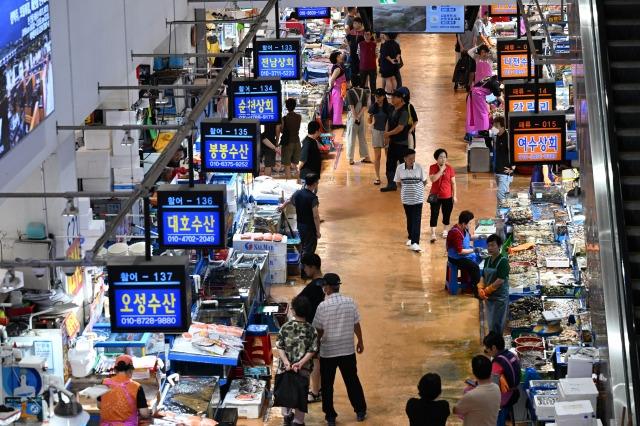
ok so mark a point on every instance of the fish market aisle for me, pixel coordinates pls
(410, 325)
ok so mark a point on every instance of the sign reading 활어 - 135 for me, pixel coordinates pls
(230, 146)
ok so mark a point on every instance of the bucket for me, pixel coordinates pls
(118, 249)
(102, 254)
(82, 358)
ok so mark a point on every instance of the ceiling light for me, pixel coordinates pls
(70, 209)
(127, 140)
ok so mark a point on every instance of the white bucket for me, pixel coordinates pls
(82, 358)
(137, 249)
(118, 249)
(102, 254)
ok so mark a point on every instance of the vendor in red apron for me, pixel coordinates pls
(483, 65)
(126, 402)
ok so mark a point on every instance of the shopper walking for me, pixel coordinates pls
(356, 36)
(337, 320)
(443, 179)
(396, 137)
(412, 180)
(412, 118)
(357, 99)
(307, 213)
(389, 61)
(290, 142)
(312, 268)
(502, 168)
(505, 369)
(270, 146)
(126, 401)
(459, 250)
(426, 411)
(368, 52)
(338, 84)
(297, 343)
(310, 158)
(378, 114)
(480, 406)
(495, 286)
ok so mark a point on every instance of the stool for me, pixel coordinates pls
(453, 283)
(502, 416)
(258, 344)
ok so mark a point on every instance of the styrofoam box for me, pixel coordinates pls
(129, 150)
(97, 139)
(122, 161)
(544, 412)
(96, 184)
(95, 228)
(277, 276)
(248, 409)
(578, 389)
(125, 174)
(575, 413)
(277, 262)
(93, 163)
(116, 118)
(249, 246)
(85, 219)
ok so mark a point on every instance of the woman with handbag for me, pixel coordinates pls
(297, 343)
(443, 192)
(338, 85)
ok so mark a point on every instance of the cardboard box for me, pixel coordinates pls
(97, 139)
(250, 246)
(91, 164)
(96, 184)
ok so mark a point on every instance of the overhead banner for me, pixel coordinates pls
(514, 59)
(26, 78)
(313, 12)
(230, 145)
(519, 96)
(537, 138)
(259, 98)
(277, 58)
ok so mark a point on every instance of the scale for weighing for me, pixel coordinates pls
(486, 226)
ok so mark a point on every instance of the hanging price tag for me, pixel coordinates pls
(72, 325)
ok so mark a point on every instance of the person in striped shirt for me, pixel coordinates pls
(412, 180)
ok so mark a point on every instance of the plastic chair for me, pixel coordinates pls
(453, 283)
(258, 344)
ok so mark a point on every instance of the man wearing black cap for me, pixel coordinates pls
(337, 320)
(396, 135)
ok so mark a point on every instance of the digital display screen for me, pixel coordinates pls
(537, 138)
(278, 58)
(503, 10)
(230, 146)
(419, 19)
(313, 12)
(514, 60)
(26, 92)
(258, 98)
(149, 295)
(191, 217)
(519, 95)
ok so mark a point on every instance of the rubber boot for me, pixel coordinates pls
(391, 185)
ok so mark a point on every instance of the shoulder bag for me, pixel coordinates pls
(433, 198)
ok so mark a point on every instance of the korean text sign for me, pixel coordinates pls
(537, 138)
(515, 59)
(278, 58)
(192, 217)
(230, 145)
(152, 295)
(313, 12)
(257, 98)
(445, 19)
(520, 96)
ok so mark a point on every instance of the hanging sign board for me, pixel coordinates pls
(313, 12)
(519, 96)
(503, 10)
(190, 218)
(537, 138)
(149, 295)
(277, 58)
(230, 145)
(445, 19)
(514, 60)
(258, 98)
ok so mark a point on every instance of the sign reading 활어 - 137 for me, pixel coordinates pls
(149, 295)
(191, 218)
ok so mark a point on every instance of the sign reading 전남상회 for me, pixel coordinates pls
(537, 138)
(277, 58)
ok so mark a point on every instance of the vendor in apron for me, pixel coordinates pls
(126, 402)
(494, 289)
(482, 56)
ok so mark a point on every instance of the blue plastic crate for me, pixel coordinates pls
(293, 258)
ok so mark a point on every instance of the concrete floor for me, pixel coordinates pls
(410, 325)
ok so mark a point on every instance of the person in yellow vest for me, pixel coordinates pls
(126, 402)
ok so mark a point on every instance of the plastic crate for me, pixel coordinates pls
(293, 263)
